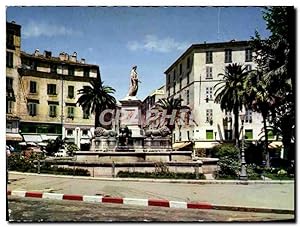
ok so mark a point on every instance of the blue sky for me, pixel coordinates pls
(116, 38)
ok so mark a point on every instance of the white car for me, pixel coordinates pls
(61, 153)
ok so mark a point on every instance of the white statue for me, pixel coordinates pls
(134, 80)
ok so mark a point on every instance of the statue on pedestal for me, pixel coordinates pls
(134, 80)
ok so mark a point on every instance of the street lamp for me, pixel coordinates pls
(243, 174)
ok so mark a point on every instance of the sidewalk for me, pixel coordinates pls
(277, 195)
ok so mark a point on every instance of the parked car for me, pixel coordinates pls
(61, 153)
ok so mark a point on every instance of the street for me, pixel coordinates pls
(37, 210)
(252, 195)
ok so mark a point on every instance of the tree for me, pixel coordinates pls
(230, 93)
(169, 105)
(96, 98)
(276, 59)
(54, 145)
(260, 100)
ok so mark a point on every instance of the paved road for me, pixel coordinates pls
(37, 210)
(279, 196)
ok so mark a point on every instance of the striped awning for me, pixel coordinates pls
(208, 144)
(33, 138)
(13, 137)
(180, 145)
(275, 144)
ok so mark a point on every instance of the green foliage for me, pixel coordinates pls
(19, 162)
(226, 151)
(96, 98)
(165, 175)
(71, 147)
(229, 163)
(54, 145)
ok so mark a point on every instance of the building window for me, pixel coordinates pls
(209, 115)
(209, 57)
(188, 135)
(180, 83)
(180, 69)
(270, 134)
(71, 71)
(188, 63)
(209, 74)
(32, 109)
(187, 78)
(86, 114)
(228, 134)
(85, 132)
(174, 85)
(174, 75)
(248, 116)
(9, 59)
(52, 110)
(168, 90)
(9, 106)
(209, 93)
(168, 79)
(228, 56)
(248, 68)
(53, 68)
(209, 134)
(86, 72)
(180, 136)
(187, 97)
(248, 134)
(9, 83)
(174, 138)
(70, 112)
(248, 55)
(32, 87)
(51, 89)
(69, 132)
(70, 92)
(10, 40)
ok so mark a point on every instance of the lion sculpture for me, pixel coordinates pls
(99, 131)
(160, 132)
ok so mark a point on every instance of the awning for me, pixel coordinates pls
(51, 137)
(180, 145)
(205, 144)
(13, 137)
(85, 141)
(275, 144)
(33, 138)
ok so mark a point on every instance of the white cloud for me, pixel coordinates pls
(36, 29)
(152, 43)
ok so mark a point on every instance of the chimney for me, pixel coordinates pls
(82, 61)
(47, 54)
(36, 52)
(74, 57)
(62, 56)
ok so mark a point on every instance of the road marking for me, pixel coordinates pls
(139, 202)
(18, 193)
(52, 196)
(177, 204)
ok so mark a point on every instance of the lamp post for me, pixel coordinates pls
(243, 173)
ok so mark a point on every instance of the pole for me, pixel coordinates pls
(243, 174)
(62, 103)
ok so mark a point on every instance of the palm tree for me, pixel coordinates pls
(96, 98)
(259, 99)
(230, 93)
(170, 105)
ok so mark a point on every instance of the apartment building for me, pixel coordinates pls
(48, 95)
(148, 104)
(192, 77)
(13, 45)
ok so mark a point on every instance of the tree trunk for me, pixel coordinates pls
(97, 120)
(267, 155)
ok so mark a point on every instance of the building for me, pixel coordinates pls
(13, 45)
(192, 77)
(149, 103)
(48, 88)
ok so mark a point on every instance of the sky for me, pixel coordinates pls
(116, 38)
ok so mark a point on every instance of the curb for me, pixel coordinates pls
(144, 202)
(242, 182)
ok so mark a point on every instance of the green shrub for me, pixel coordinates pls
(169, 175)
(229, 163)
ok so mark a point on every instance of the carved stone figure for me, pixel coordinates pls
(134, 82)
(160, 132)
(124, 134)
(99, 131)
